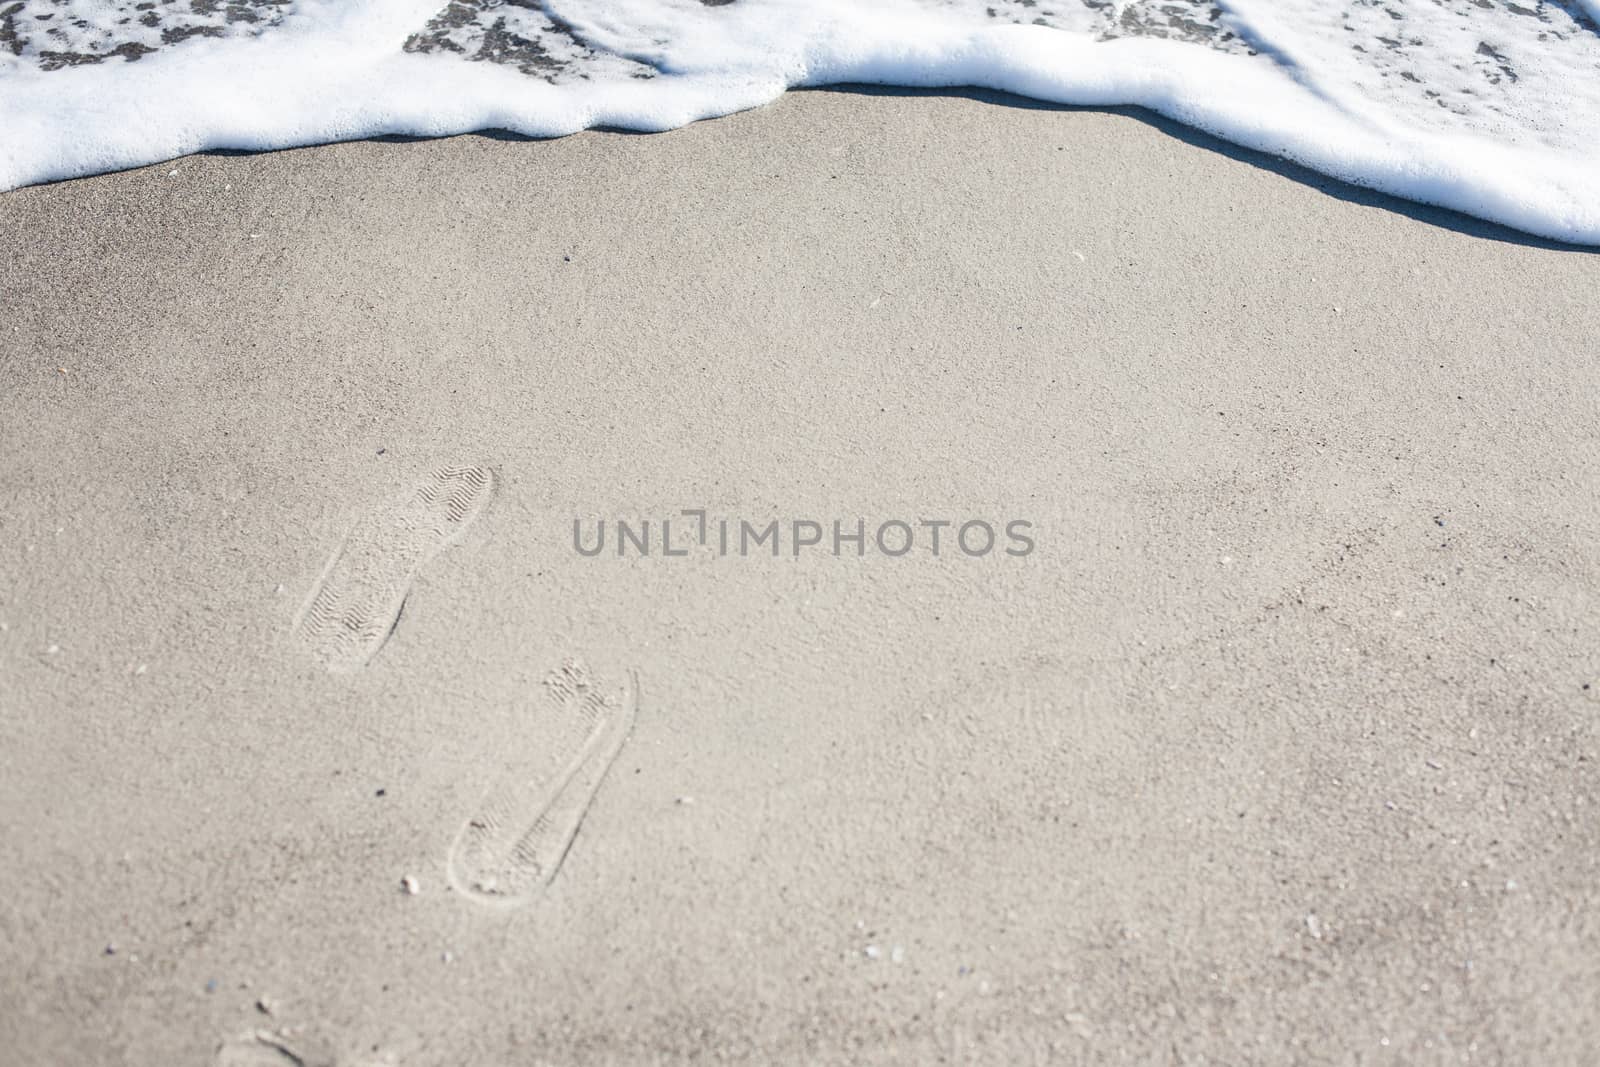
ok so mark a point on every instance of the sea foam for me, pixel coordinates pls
(1489, 107)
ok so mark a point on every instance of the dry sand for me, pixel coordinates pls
(1280, 747)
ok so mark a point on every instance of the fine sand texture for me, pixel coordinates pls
(321, 744)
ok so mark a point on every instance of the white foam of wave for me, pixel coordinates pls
(1493, 111)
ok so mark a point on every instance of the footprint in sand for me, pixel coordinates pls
(357, 601)
(258, 1049)
(514, 843)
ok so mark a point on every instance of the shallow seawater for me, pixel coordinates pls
(1491, 107)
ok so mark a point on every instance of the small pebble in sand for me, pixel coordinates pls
(1314, 926)
(447, 957)
(897, 954)
(265, 1005)
(53, 649)
(111, 950)
(409, 886)
(141, 668)
(872, 952)
(685, 801)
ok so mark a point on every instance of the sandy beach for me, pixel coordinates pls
(322, 743)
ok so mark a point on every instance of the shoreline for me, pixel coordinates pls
(1364, 195)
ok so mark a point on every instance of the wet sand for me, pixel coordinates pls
(1280, 745)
